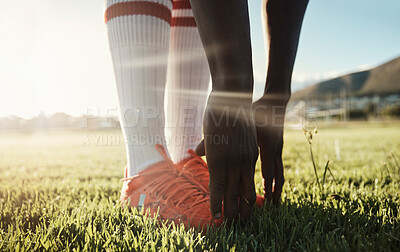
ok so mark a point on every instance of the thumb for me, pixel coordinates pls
(200, 149)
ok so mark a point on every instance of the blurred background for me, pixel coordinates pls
(56, 69)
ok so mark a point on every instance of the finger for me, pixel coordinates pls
(217, 181)
(267, 169)
(247, 188)
(231, 196)
(247, 198)
(279, 178)
(200, 149)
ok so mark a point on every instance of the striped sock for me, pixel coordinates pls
(139, 33)
(188, 83)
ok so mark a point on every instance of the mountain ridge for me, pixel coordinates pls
(381, 80)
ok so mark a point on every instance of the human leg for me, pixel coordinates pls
(188, 83)
(138, 33)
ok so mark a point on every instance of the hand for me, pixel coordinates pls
(269, 114)
(230, 146)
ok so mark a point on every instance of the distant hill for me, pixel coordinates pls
(381, 80)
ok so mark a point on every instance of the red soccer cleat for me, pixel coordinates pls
(161, 188)
(194, 168)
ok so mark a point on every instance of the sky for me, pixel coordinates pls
(54, 54)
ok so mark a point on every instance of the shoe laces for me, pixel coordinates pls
(196, 170)
(175, 189)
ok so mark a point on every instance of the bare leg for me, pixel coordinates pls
(139, 33)
(188, 83)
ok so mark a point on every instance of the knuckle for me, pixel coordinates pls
(252, 153)
(216, 186)
(268, 181)
(280, 180)
(254, 157)
(216, 170)
(251, 198)
(215, 206)
(233, 196)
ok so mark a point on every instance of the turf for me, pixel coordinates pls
(59, 191)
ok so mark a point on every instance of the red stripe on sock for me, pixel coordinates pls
(183, 21)
(138, 8)
(181, 5)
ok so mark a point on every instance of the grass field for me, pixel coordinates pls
(59, 191)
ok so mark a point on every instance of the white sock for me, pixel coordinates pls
(139, 33)
(188, 83)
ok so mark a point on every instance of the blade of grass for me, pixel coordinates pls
(333, 177)
(315, 168)
(325, 170)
